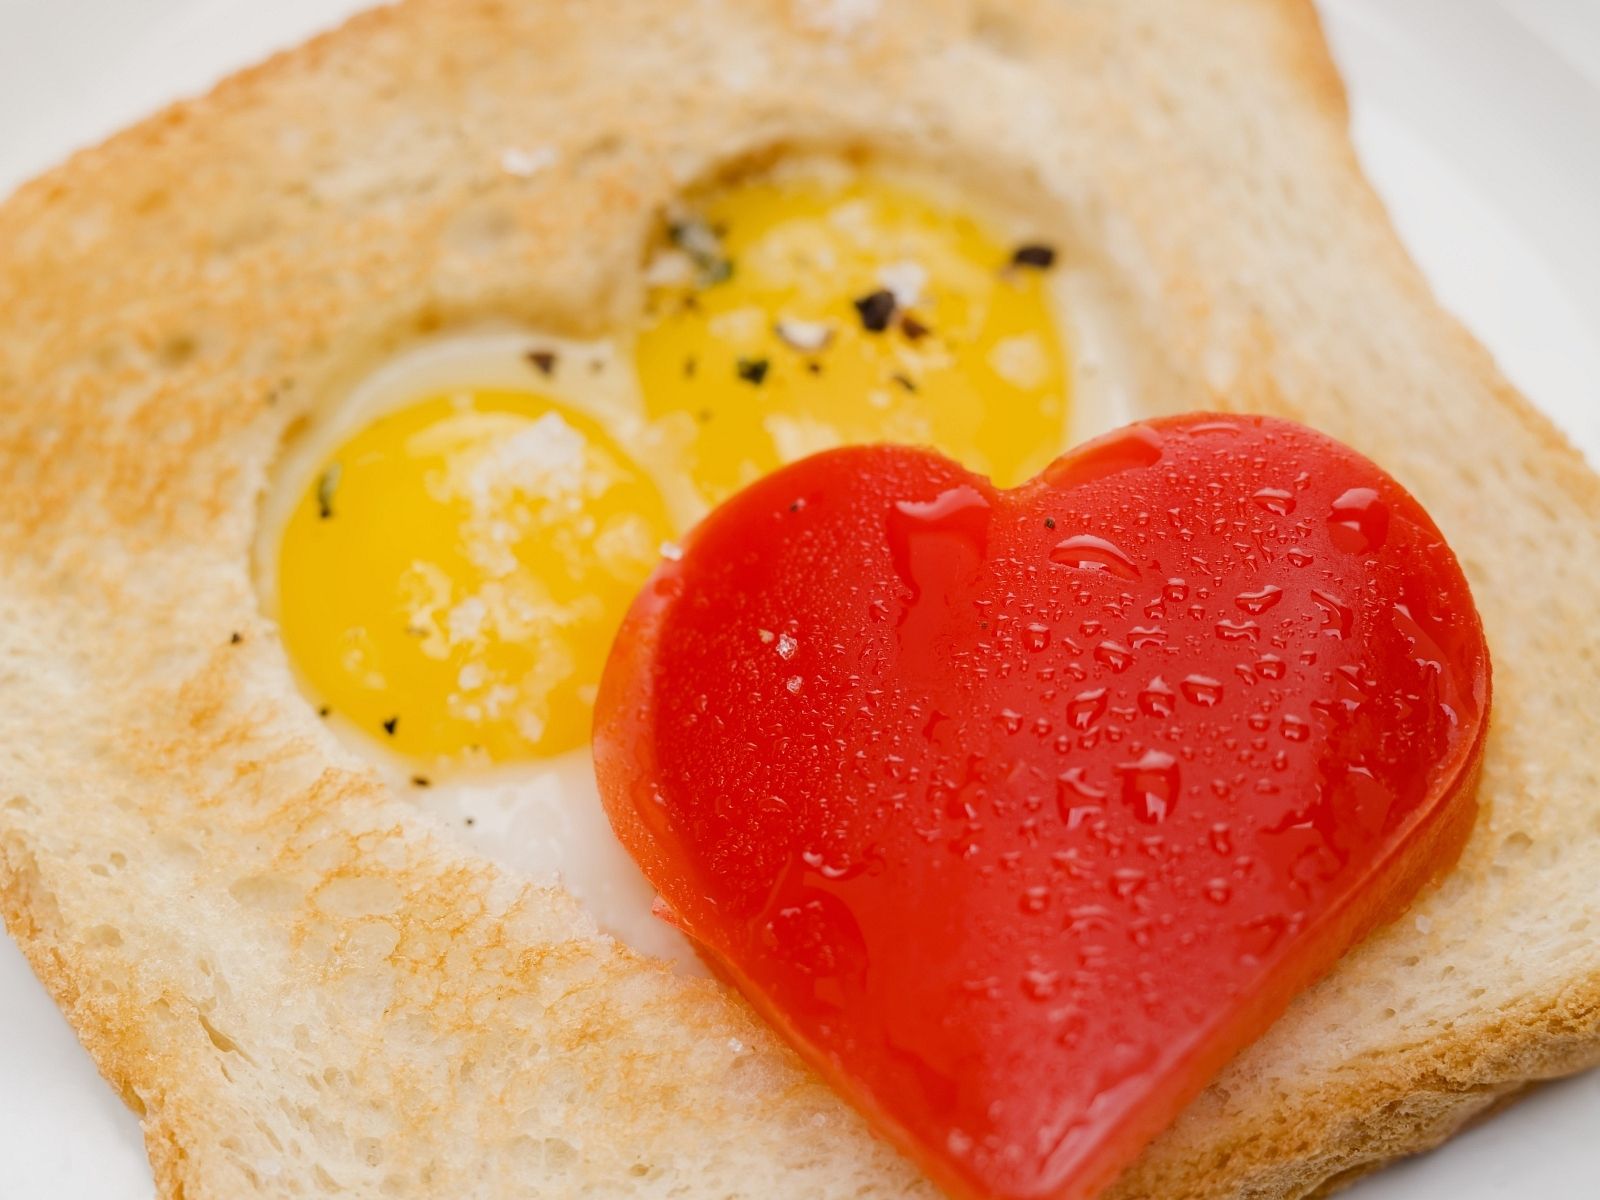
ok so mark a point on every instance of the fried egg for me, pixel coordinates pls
(448, 555)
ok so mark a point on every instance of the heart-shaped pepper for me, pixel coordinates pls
(1020, 812)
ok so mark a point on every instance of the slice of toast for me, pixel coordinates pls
(306, 989)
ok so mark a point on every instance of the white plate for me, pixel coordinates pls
(1480, 122)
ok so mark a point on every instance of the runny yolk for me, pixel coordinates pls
(451, 580)
(797, 314)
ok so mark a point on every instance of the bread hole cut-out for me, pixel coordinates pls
(841, 297)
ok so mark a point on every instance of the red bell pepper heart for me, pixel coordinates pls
(1020, 812)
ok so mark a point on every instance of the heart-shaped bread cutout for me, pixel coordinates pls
(1020, 812)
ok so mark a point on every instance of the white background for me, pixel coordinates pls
(1478, 119)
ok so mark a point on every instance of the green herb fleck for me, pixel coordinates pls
(703, 245)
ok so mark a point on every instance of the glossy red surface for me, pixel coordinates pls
(1021, 812)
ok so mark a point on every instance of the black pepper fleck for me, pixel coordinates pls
(690, 366)
(1034, 255)
(753, 370)
(324, 711)
(914, 329)
(904, 381)
(797, 505)
(390, 725)
(235, 638)
(327, 484)
(543, 360)
(876, 310)
(421, 781)
(814, 367)
(472, 820)
(1049, 522)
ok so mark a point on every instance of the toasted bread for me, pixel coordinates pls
(304, 987)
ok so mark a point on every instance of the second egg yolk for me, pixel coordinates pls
(793, 314)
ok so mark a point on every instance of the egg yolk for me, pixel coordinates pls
(452, 578)
(795, 314)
